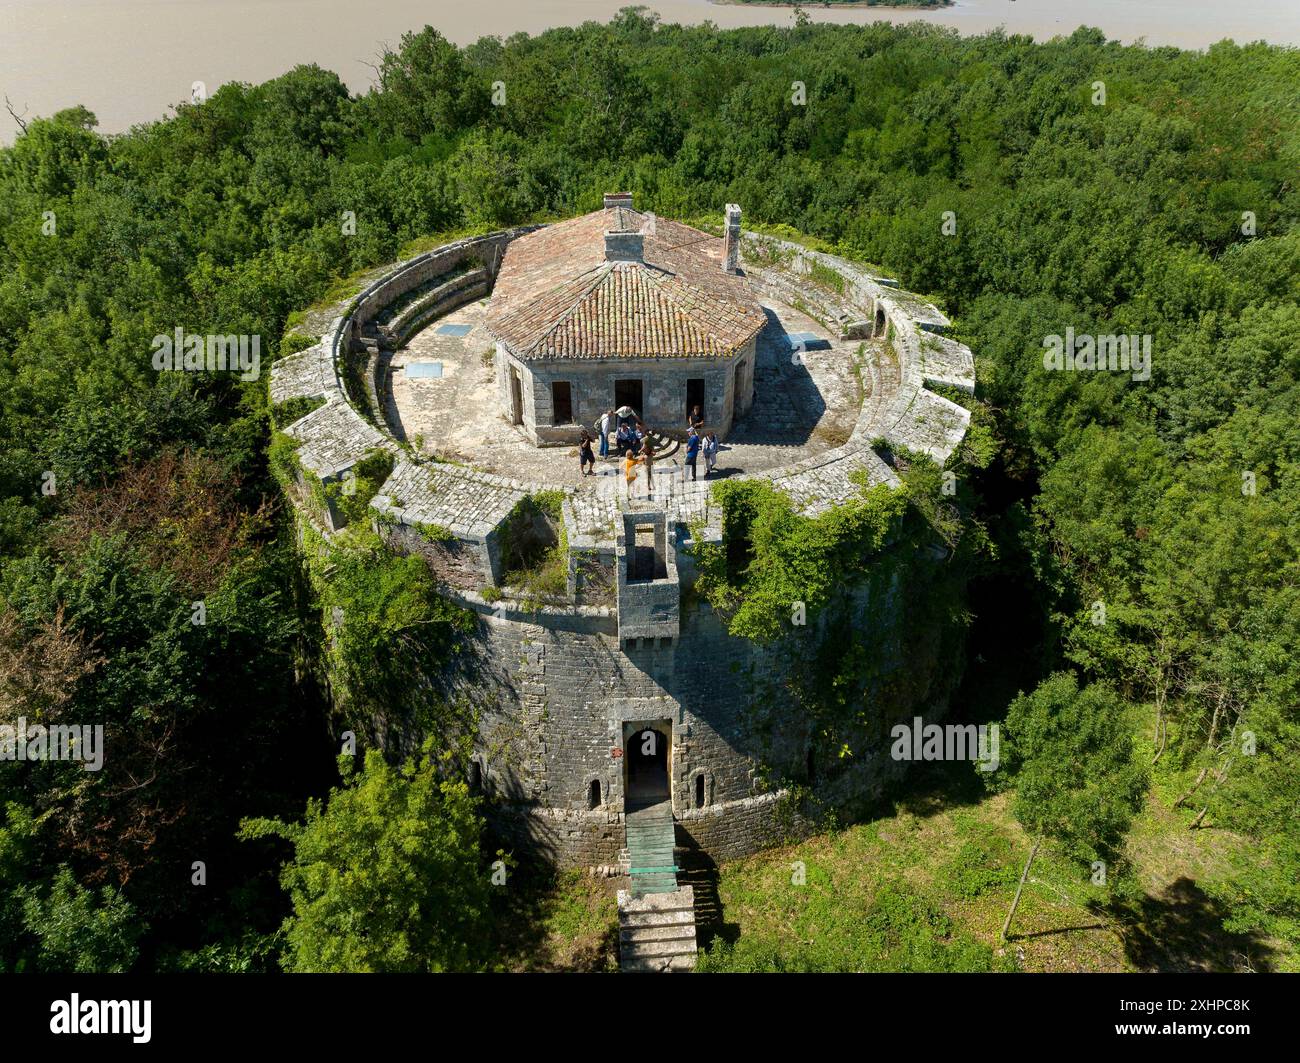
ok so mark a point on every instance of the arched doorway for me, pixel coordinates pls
(645, 755)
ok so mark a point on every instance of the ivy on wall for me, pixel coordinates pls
(771, 558)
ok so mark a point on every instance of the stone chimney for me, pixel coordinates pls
(618, 199)
(624, 247)
(731, 240)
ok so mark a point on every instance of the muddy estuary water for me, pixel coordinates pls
(129, 60)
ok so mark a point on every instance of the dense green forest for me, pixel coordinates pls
(1143, 533)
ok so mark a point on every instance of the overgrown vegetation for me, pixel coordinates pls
(385, 875)
(535, 548)
(771, 557)
(351, 495)
(286, 413)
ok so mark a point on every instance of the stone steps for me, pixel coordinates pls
(678, 930)
(659, 965)
(656, 932)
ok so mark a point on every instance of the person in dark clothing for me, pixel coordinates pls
(696, 419)
(648, 459)
(692, 450)
(586, 457)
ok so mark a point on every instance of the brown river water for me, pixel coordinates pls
(130, 60)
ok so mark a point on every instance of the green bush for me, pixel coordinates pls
(771, 557)
(982, 865)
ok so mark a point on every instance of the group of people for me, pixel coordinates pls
(629, 436)
(634, 446)
(697, 443)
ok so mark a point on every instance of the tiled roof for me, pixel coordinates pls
(557, 297)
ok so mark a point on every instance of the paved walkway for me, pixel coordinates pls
(799, 410)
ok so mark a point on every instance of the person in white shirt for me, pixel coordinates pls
(605, 424)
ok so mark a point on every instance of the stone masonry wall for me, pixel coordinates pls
(553, 706)
(592, 390)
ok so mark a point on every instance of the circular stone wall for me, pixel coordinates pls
(557, 686)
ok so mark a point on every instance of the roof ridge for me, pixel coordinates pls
(702, 320)
(558, 297)
(600, 272)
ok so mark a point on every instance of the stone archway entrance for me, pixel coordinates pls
(646, 751)
(650, 829)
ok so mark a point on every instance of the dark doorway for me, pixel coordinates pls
(880, 321)
(628, 393)
(694, 397)
(516, 398)
(561, 402)
(647, 766)
(594, 795)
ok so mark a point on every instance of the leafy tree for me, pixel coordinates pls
(385, 874)
(425, 88)
(1069, 754)
(80, 931)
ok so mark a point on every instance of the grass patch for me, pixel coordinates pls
(927, 886)
(295, 409)
(558, 921)
(535, 548)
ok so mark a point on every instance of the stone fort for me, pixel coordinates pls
(619, 726)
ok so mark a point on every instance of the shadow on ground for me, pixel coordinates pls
(1181, 929)
(700, 871)
(519, 918)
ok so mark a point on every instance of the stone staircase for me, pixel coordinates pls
(656, 932)
(665, 446)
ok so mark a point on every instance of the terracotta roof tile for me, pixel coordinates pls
(557, 297)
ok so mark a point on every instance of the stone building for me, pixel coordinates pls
(618, 308)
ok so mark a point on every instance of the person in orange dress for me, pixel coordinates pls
(630, 462)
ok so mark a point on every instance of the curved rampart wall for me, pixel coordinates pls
(554, 686)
